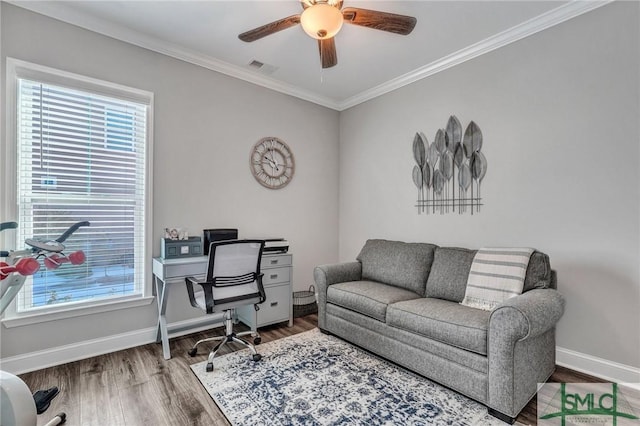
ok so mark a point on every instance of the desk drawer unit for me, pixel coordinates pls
(275, 260)
(276, 276)
(278, 290)
(276, 307)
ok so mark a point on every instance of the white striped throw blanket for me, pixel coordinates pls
(496, 275)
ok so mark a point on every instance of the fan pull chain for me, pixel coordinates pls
(321, 67)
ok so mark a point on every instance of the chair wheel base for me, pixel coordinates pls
(209, 367)
(257, 357)
(257, 340)
(192, 352)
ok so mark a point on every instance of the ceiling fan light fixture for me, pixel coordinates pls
(321, 21)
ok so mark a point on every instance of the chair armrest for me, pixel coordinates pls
(326, 275)
(208, 293)
(527, 315)
(263, 295)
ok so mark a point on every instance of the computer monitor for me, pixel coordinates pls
(220, 234)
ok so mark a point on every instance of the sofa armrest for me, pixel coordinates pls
(521, 347)
(326, 275)
(527, 315)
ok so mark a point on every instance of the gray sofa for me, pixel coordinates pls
(401, 301)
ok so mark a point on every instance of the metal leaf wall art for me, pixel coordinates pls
(449, 171)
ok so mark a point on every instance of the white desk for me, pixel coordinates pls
(174, 271)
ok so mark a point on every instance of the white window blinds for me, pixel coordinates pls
(81, 156)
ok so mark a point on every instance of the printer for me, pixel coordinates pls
(276, 245)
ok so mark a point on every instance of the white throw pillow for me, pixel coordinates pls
(496, 275)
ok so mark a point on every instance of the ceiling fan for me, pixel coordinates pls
(322, 19)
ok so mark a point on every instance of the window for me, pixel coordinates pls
(82, 149)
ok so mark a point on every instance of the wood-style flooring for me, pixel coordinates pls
(138, 386)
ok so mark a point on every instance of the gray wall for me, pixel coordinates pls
(205, 126)
(559, 112)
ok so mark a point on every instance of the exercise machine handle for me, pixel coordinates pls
(71, 230)
(8, 225)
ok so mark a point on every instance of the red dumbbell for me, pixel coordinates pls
(77, 257)
(25, 266)
(55, 260)
(4, 274)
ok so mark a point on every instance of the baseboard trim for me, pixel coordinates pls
(38, 360)
(20, 364)
(598, 367)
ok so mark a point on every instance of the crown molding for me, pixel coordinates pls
(532, 26)
(542, 22)
(71, 16)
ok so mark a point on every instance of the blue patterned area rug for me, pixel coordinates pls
(315, 379)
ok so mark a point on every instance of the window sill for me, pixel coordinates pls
(19, 320)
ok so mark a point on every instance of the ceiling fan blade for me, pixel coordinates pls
(399, 24)
(328, 55)
(270, 28)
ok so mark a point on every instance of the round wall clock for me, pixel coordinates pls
(272, 163)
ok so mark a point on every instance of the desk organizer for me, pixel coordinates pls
(175, 249)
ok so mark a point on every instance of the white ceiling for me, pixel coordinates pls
(370, 62)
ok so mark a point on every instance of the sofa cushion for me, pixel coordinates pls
(449, 273)
(442, 320)
(397, 263)
(367, 297)
(538, 272)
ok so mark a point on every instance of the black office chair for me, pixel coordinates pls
(233, 279)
